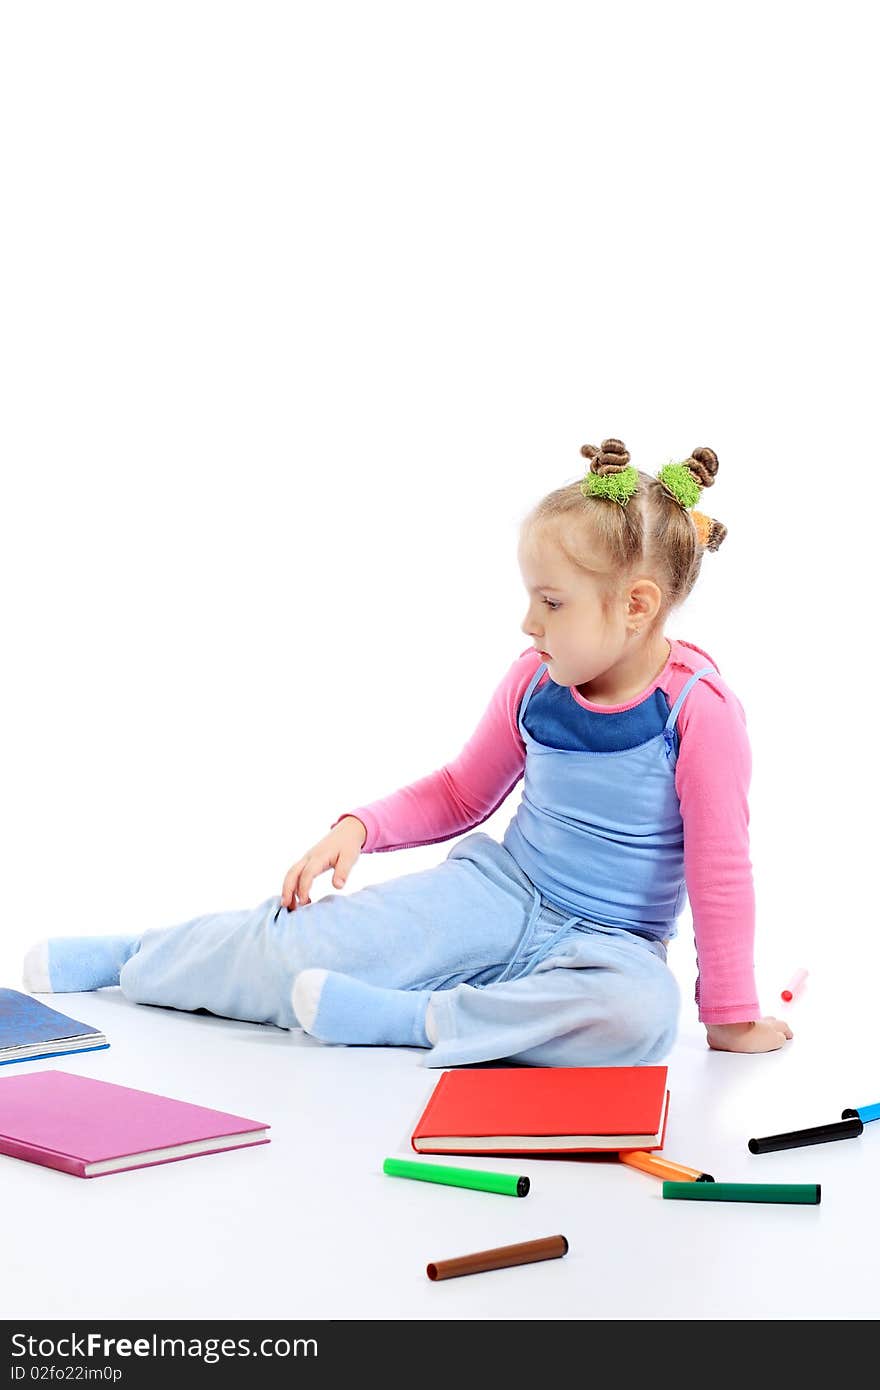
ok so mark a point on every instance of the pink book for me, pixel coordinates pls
(90, 1128)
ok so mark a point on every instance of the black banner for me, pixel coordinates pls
(135, 1353)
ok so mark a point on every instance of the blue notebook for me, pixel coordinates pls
(30, 1030)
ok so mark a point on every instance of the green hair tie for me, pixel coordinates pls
(617, 487)
(679, 481)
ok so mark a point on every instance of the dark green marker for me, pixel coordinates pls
(804, 1193)
(507, 1183)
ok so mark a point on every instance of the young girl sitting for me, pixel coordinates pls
(548, 948)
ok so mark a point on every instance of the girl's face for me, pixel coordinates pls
(565, 619)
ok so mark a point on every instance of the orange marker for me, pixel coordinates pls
(795, 985)
(663, 1167)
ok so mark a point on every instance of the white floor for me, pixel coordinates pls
(309, 1227)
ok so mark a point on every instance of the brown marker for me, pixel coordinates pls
(528, 1251)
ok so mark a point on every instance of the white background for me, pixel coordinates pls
(303, 307)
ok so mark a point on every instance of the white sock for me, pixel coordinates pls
(35, 973)
(306, 996)
(338, 1008)
(430, 1024)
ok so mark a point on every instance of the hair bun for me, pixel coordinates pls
(703, 465)
(710, 532)
(612, 457)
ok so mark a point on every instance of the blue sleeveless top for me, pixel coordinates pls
(600, 834)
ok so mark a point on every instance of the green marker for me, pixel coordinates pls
(508, 1183)
(804, 1193)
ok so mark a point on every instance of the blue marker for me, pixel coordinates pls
(864, 1112)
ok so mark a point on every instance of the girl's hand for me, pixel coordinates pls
(763, 1035)
(337, 850)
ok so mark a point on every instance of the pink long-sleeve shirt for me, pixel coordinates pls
(712, 777)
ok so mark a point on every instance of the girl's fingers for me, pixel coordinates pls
(782, 1026)
(780, 1033)
(298, 882)
(288, 890)
(343, 869)
(310, 872)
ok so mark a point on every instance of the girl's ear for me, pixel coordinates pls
(644, 599)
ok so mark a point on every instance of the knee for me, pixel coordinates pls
(637, 1024)
(645, 1024)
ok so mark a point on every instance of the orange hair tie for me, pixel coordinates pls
(703, 524)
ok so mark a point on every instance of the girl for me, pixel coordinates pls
(549, 948)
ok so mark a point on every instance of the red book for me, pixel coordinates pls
(494, 1110)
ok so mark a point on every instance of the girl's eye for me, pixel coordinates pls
(550, 604)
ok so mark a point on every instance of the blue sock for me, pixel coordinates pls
(68, 964)
(340, 1009)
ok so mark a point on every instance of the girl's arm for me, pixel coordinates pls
(466, 791)
(712, 778)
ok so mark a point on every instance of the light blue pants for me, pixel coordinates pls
(511, 976)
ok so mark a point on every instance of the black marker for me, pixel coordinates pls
(797, 1138)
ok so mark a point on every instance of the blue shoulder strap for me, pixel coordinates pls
(673, 713)
(529, 688)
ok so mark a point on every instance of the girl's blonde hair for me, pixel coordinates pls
(652, 535)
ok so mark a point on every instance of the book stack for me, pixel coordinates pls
(90, 1128)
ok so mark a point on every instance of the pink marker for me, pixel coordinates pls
(795, 985)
